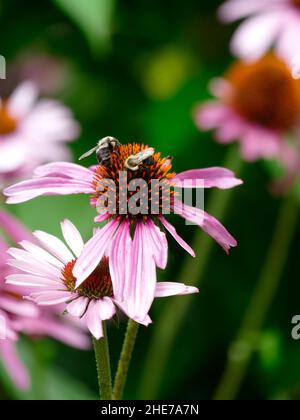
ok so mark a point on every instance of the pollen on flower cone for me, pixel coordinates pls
(97, 285)
(158, 168)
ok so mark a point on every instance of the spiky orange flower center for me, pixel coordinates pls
(8, 124)
(155, 168)
(96, 286)
(265, 93)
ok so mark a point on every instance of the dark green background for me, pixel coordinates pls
(140, 81)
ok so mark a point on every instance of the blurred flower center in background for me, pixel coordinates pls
(154, 168)
(296, 3)
(96, 286)
(8, 123)
(265, 93)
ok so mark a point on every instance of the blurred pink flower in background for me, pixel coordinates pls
(24, 317)
(32, 131)
(49, 270)
(51, 74)
(269, 23)
(258, 104)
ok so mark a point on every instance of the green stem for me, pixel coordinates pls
(125, 358)
(242, 348)
(103, 365)
(175, 311)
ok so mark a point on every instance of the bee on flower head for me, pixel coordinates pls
(133, 162)
(104, 148)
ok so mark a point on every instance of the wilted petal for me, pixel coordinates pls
(208, 223)
(93, 320)
(170, 228)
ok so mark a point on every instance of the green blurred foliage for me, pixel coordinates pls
(94, 17)
(135, 71)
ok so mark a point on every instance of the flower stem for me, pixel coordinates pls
(103, 365)
(242, 348)
(125, 358)
(175, 310)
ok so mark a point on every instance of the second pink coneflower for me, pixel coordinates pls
(49, 270)
(257, 104)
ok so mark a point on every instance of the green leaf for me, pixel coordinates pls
(94, 18)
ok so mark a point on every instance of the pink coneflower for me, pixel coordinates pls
(50, 270)
(32, 131)
(259, 105)
(270, 23)
(150, 246)
(19, 316)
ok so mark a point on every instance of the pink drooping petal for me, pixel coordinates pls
(13, 364)
(7, 330)
(55, 246)
(156, 243)
(17, 307)
(13, 227)
(208, 223)
(67, 333)
(93, 252)
(170, 228)
(119, 261)
(106, 308)
(56, 328)
(27, 190)
(255, 36)
(164, 289)
(210, 177)
(123, 306)
(252, 148)
(72, 237)
(3, 251)
(93, 320)
(65, 169)
(78, 306)
(143, 277)
(22, 99)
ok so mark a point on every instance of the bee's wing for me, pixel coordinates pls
(88, 153)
